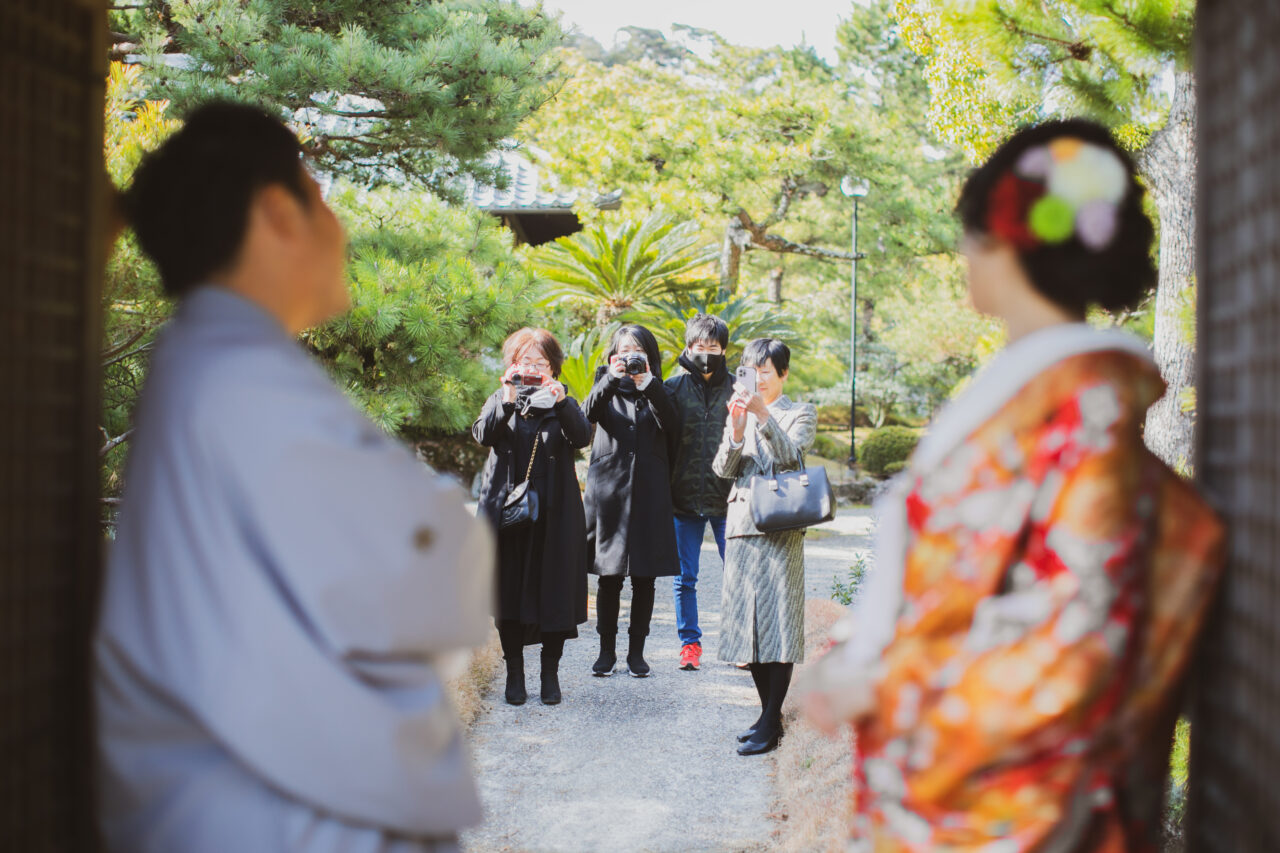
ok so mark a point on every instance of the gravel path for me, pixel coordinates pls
(639, 764)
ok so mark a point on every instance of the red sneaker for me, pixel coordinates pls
(690, 655)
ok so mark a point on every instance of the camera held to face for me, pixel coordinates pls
(528, 378)
(634, 363)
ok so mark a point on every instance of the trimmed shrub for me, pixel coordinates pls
(895, 468)
(885, 446)
(829, 447)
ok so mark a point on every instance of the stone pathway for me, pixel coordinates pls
(640, 764)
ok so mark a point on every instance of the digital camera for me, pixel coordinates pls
(528, 378)
(634, 363)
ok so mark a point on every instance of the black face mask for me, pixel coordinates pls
(707, 362)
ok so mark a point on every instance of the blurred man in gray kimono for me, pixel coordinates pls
(285, 578)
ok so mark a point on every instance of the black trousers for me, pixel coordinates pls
(608, 603)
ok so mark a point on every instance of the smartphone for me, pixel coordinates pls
(746, 377)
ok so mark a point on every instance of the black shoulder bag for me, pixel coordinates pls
(791, 500)
(521, 506)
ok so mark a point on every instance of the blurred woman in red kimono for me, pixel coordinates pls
(1012, 668)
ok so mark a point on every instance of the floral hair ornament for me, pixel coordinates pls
(1065, 188)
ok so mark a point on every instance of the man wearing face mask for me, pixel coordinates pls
(701, 393)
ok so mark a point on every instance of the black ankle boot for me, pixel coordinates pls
(550, 679)
(603, 667)
(636, 663)
(516, 694)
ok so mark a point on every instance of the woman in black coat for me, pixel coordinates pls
(542, 567)
(630, 527)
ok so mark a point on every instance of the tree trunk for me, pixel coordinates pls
(736, 239)
(775, 285)
(1168, 162)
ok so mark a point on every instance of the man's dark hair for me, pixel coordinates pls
(768, 349)
(1072, 276)
(704, 328)
(189, 201)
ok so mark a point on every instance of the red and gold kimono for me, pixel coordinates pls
(1045, 577)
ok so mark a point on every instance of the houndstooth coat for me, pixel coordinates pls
(762, 597)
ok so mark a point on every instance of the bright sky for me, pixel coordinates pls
(758, 24)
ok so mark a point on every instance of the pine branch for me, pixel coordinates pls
(760, 237)
(110, 443)
(122, 356)
(116, 349)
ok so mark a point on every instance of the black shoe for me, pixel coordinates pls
(550, 688)
(603, 667)
(516, 694)
(637, 666)
(760, 747)
(750, 733)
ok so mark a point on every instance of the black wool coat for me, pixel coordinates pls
(542, 569)
(630, 527)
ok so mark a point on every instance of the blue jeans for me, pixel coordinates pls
(689, 533)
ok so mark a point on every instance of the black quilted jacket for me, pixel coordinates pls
(695, 489)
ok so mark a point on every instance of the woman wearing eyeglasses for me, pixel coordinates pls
(533, 430)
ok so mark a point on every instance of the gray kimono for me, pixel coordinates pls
(762, 598)
(284, 582)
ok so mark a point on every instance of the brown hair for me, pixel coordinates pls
(542, 339)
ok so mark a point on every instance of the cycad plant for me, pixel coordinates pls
(747, 319)
(583, 354)
(625, 266)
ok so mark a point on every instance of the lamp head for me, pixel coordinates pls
(853, 187)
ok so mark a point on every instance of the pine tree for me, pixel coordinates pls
(434, 290)
(995, 64)
(379, 89)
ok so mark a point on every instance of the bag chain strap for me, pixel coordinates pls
(533, 455)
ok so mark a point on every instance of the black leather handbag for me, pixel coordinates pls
(521, 506)
(791, 500)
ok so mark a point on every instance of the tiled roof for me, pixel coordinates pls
(531, 189)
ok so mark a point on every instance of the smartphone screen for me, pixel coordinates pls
(746, 377)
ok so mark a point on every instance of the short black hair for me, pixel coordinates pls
(647, 342)
(703, 328)
(1070, 274)
(189, 200)
(767, 349)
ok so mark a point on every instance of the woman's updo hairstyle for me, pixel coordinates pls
(1095, 253)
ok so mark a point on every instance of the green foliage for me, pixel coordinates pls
(620, 267)
(1179, 775)
(419, 89)
(995, 64)
(754, 144)
(833, 416)
(133, 306)
(747, 320)
(582, 356)
(845, 590)
(433, 289)
(829, 446)
(885, 446)
(895, 468)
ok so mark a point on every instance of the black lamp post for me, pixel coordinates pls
(854, 189)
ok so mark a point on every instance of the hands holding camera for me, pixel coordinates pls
(632, 364)
(529, 376)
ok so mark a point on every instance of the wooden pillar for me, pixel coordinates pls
(1235, 735)
(51, 184)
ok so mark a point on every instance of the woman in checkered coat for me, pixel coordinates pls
(762, 607)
